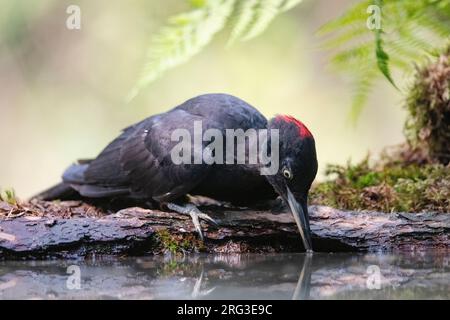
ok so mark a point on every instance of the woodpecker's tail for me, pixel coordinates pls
(65, 190)
(61, 191)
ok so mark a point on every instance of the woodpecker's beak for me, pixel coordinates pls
(300, 213)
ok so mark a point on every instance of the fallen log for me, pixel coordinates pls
(74, 229)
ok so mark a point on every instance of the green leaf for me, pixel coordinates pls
(410, 31)
(197, 3)
(362, 88)
(254, 16)
(183, 37)
(355, 15)
(265, 12)
(382, 57)
(246, 12)
(289, 4)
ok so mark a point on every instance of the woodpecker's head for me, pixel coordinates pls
(297, 170)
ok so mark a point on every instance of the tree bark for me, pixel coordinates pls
(73, 229)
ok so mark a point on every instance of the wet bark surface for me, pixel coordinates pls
(73, 229)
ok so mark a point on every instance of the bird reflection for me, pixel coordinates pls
(197, 292)
(303, 288)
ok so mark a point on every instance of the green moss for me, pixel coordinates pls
(176, 243)
(392, 187)
(9, 196)
(428, 106)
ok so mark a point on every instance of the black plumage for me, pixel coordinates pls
(138, 163)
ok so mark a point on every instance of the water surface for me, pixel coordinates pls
(269, 276)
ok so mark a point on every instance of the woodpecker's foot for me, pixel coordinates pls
(195, 213)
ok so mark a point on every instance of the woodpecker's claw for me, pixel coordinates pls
(195, 214)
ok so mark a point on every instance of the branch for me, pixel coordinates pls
(76, 229)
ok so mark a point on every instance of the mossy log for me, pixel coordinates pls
(74, 229)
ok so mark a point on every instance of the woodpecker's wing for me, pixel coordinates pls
(138, 163)
(147, 159)
(223, 111)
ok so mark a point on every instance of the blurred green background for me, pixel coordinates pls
(62, 91)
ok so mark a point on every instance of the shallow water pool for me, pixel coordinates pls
(252, 276)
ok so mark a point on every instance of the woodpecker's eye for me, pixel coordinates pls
(287, 174)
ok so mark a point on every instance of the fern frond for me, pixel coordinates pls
(413, 39)
(382, 57)
(351, 34)
(256, 15)
(362, 87)
(354, 56)
(184, 36)
(246, 11)
(380, 53)
(197, 3)
(265, 12)
(353, 16)
(289, 4)
(410, 31)
(433, 22)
